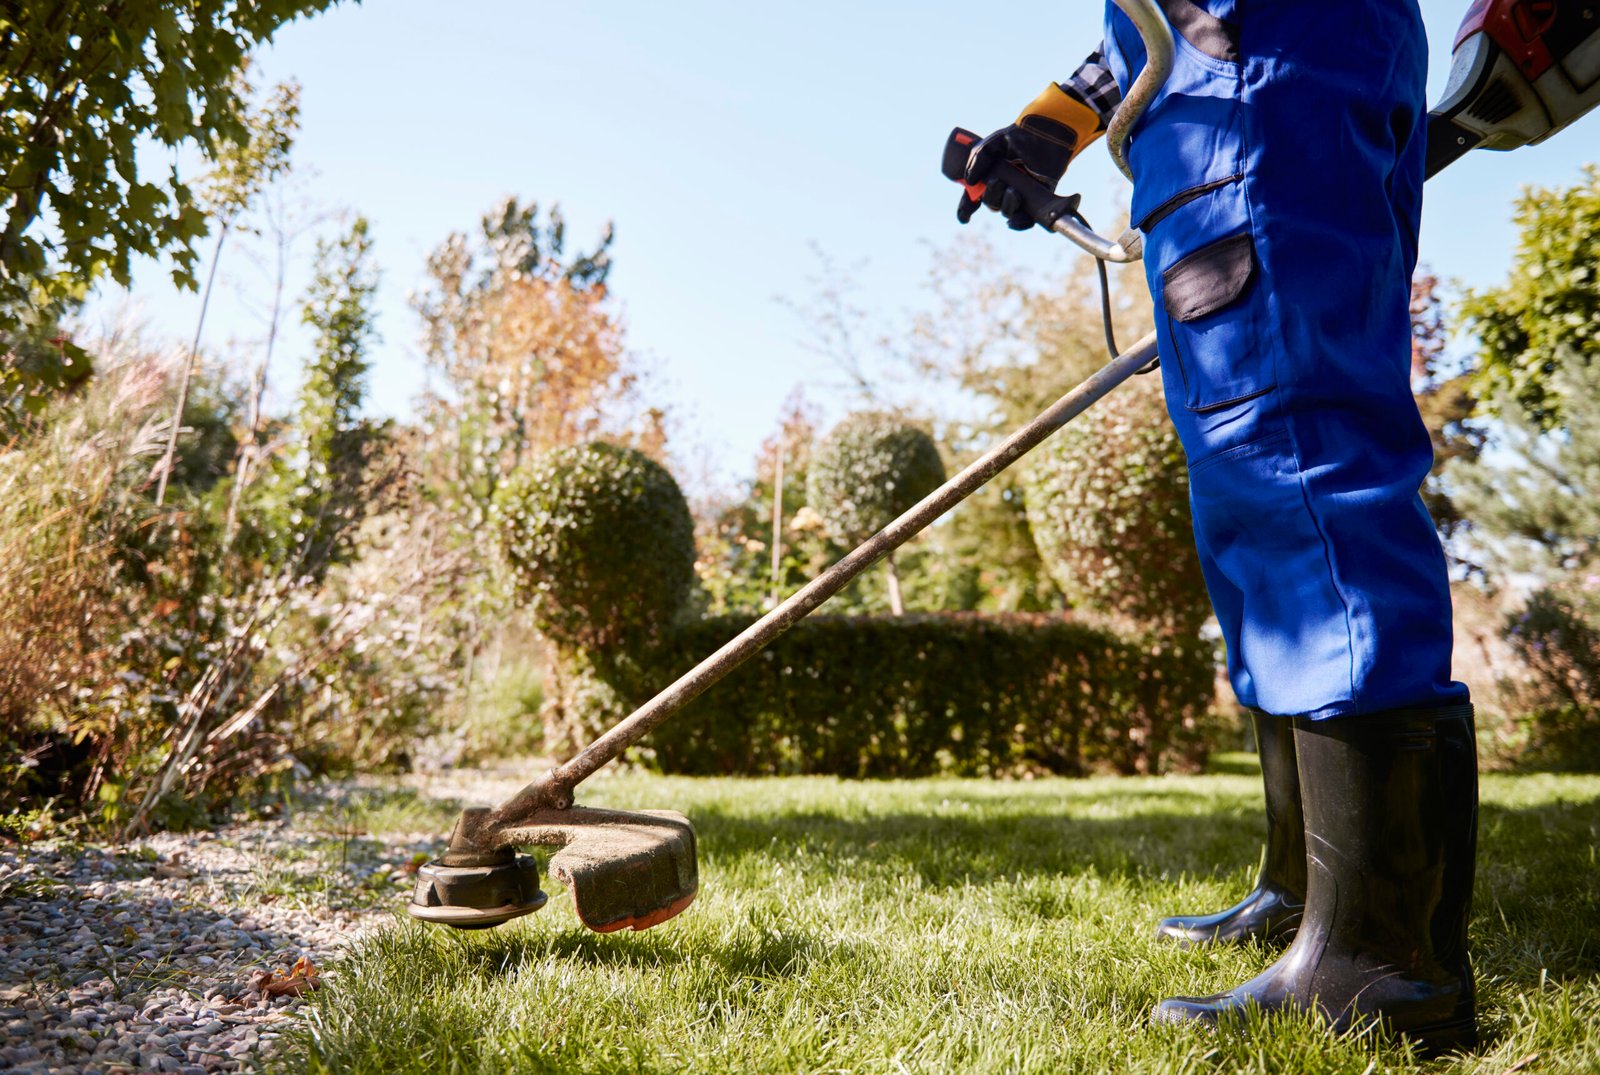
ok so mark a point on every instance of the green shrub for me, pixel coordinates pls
(1108, 504)
(937, 693)
(1559, 698)
(866, 473)
(601, 544)
(870, 469)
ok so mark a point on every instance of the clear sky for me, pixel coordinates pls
(723, 139)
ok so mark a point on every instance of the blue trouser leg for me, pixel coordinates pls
(1278, 181)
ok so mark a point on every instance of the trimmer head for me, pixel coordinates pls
(626, 869)
(476, 891)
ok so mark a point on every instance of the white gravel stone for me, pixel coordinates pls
(108, 962)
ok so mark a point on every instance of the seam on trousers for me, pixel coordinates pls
(1247, 135)
(1327, 557)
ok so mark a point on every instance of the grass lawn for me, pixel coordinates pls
(954, 925)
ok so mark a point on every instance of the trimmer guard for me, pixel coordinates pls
(626, 869)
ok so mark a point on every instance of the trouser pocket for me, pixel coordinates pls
(1211, 300)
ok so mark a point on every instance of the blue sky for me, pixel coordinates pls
(724, 140)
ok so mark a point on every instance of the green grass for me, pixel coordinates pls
(951, 925)
(501, 715)
(377, 810)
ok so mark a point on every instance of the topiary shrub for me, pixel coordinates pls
(601, 545)
(1108, 503)
(868, 471)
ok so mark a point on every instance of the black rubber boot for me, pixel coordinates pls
(1271, 912)
(1391, 805)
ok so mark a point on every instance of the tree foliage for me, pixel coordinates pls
(1531, 498)
(1108, 503)
(242, 171)
(1534, 502)
(530, 355)
(324, 473)
(1547, 313)
(1444, 399)
(83, 86)
(526, 355)
(37, 363)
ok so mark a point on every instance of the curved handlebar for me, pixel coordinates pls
(1151, 22)
(1127, 247)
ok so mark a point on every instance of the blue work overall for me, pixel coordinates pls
(1278, 181)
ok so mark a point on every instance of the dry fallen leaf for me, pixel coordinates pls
(279, 982)
(174, 868)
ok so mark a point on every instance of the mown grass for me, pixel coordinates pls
(951, 925)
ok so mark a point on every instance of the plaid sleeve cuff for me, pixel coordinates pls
(1094, 85)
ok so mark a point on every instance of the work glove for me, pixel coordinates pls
(1048, 134)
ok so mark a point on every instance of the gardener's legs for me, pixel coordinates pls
(1278, 182)
(1391, 826)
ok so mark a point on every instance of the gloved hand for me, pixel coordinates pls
(1048, 134)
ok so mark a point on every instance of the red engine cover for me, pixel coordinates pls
(1518, 27)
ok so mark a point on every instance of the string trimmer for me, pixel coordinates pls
(1523, 69)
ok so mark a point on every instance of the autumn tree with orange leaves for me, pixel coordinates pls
(527, 352)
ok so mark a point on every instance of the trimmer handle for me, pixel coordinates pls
(1058, 214)
(1041, 203)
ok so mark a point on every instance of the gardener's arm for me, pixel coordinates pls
(1095, 86)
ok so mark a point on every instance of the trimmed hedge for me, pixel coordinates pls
(601, 545)
(965, 693)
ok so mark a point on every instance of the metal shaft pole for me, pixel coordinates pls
(555, 787)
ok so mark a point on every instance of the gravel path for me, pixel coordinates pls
(181, 953)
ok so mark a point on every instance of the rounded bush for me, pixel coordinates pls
(1108, 503)
(868, 471)
(601, 543)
